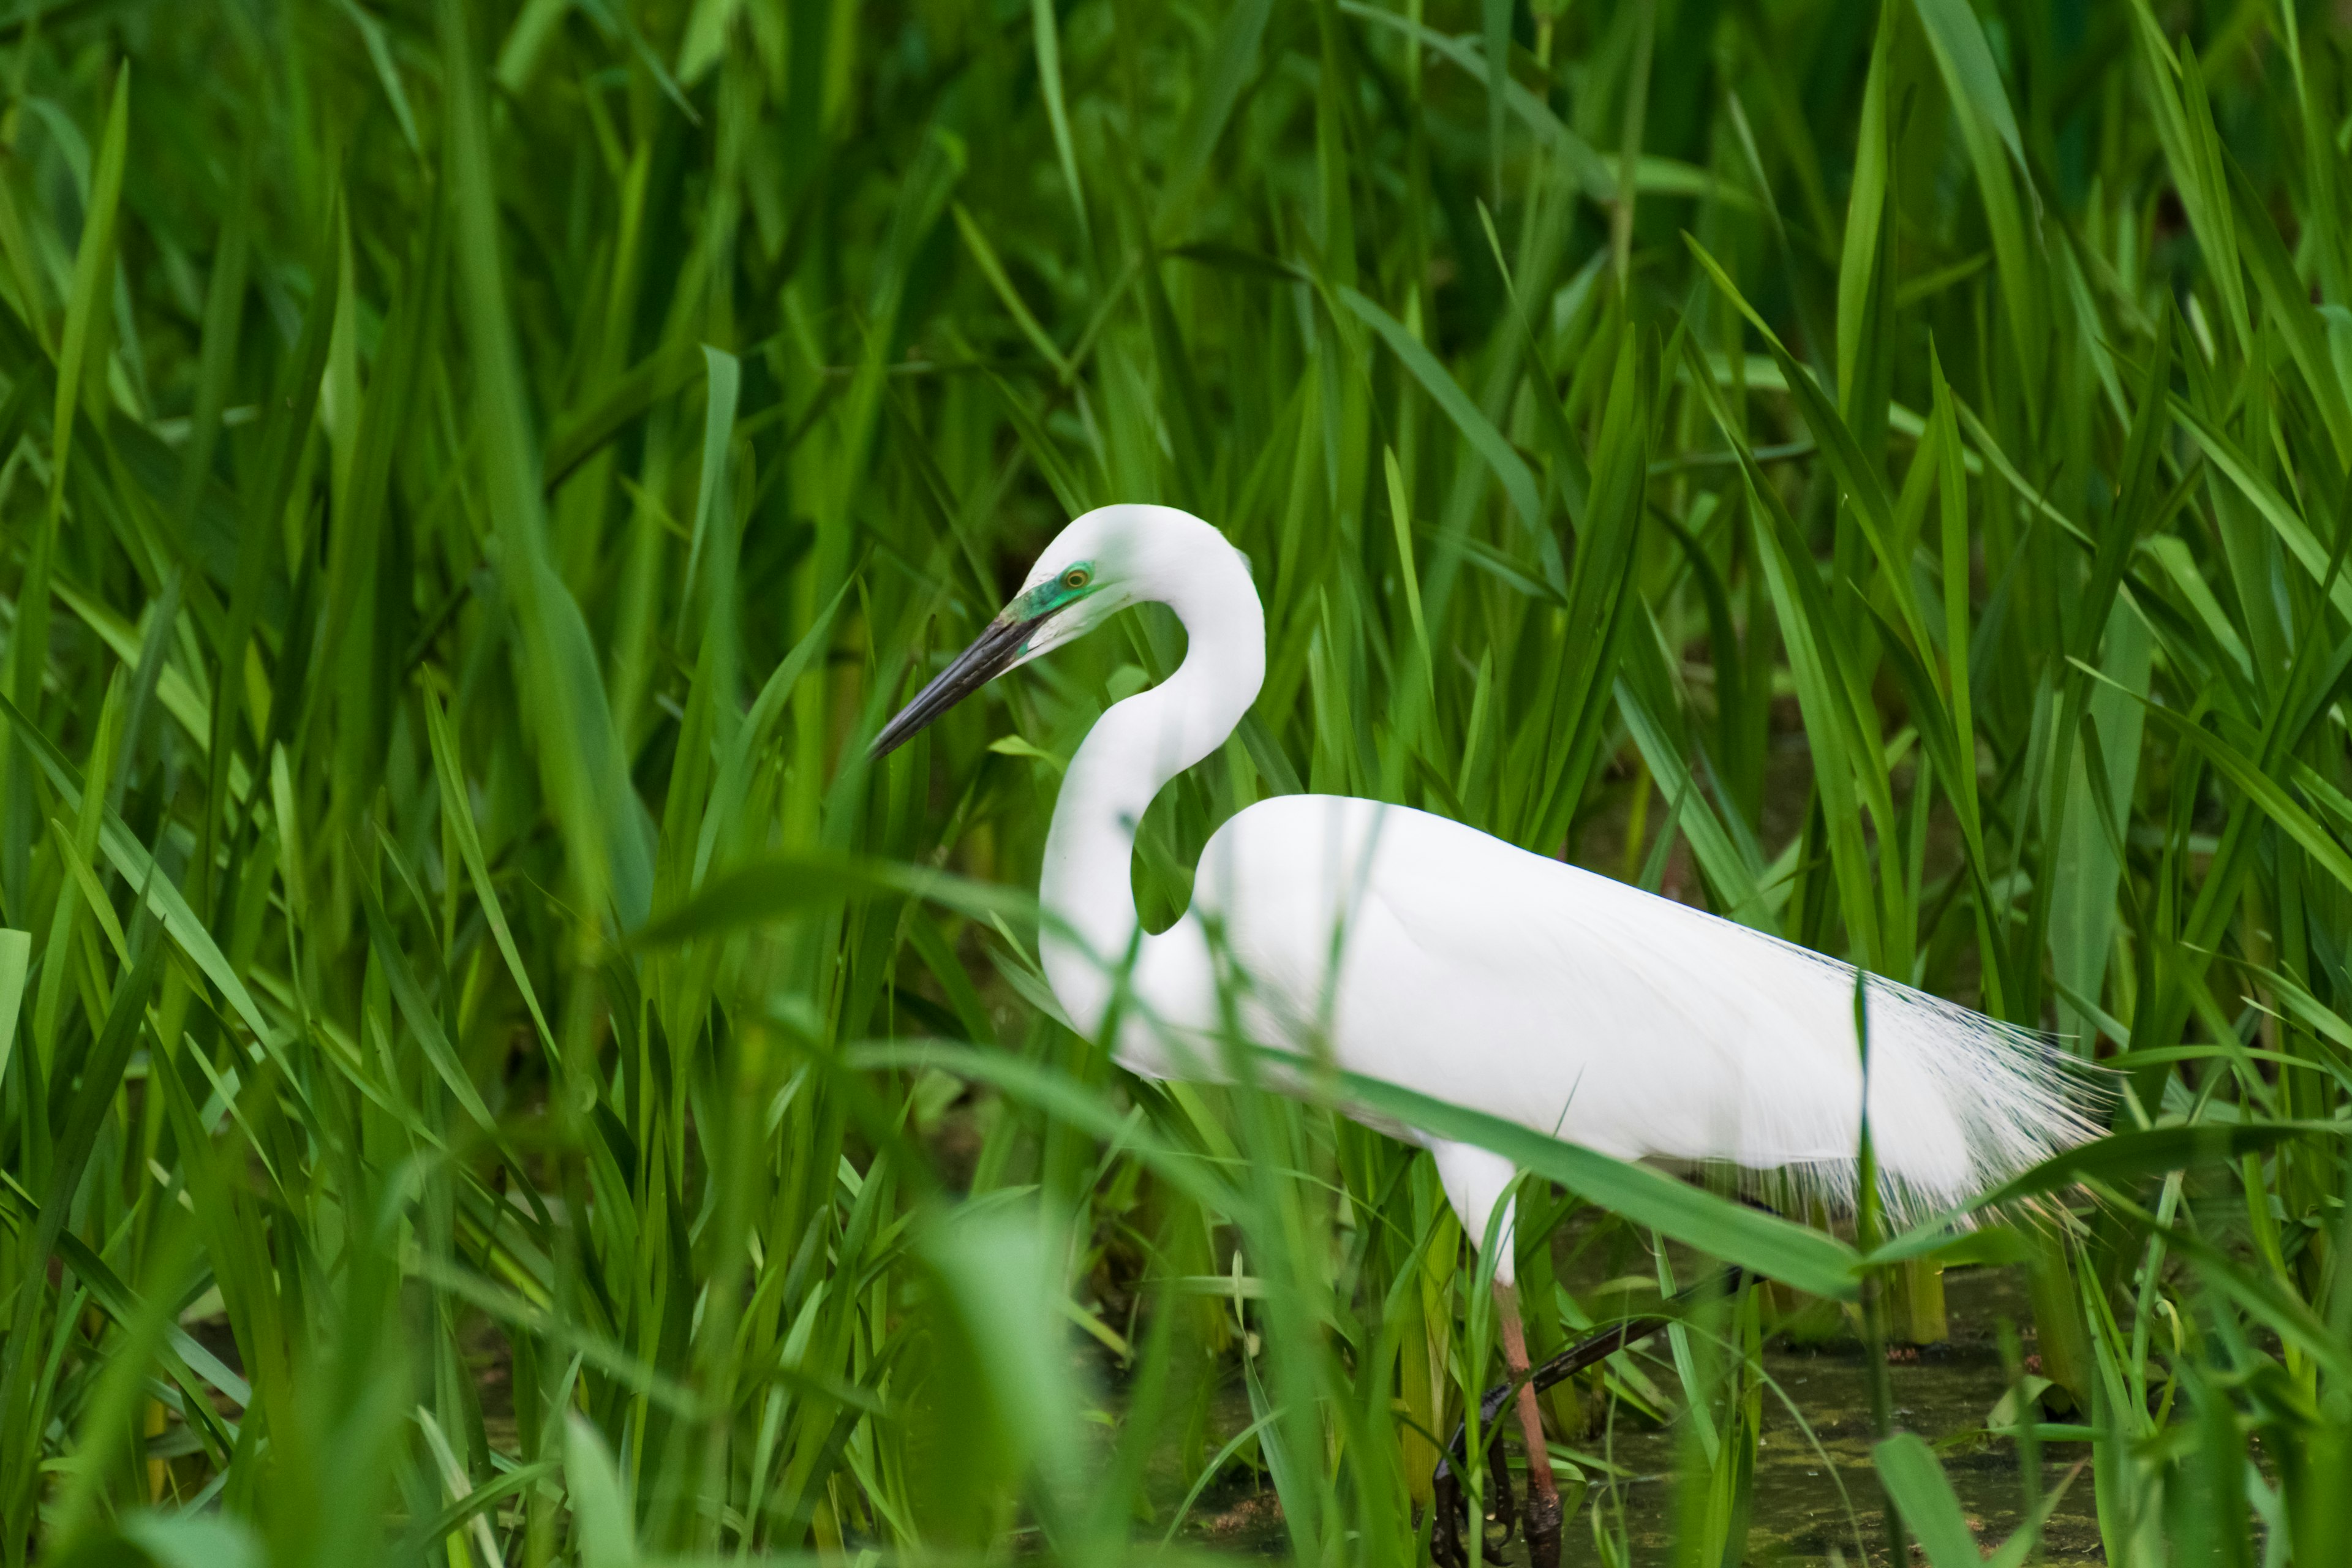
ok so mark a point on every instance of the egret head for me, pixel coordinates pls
(1112, 557)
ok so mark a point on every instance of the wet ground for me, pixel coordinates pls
(1816, 1495)
(1816, 1498)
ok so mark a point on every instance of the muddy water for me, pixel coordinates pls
(1818, 1494)
(1816, 1497)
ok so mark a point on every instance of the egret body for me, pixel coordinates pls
(1422, 952)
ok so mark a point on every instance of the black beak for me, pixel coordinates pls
(983, 661)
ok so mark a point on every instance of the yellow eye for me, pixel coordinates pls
(1076, 577)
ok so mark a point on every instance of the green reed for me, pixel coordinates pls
(486, 1071)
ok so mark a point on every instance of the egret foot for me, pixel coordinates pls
(1542, 1528)
(1446, 1527)
(1450, 1515)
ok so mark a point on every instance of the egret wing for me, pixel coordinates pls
(1452, 962)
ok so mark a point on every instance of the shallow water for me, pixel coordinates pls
(1815, 1495)
(1816, 1498)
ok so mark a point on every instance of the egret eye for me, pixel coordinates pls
(1076, 577)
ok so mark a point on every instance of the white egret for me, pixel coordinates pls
(1424, 952)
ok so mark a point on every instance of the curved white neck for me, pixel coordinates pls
(1086, 887)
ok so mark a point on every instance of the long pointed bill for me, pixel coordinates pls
(989, 657)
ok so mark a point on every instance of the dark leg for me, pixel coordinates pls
(1451, 1510)
(1543, 1489)
(1445, 1539)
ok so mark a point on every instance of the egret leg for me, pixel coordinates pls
(1477, 1183)
(1543, 1516)
(1446, 1540)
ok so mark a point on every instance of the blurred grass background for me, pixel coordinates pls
(475, 474)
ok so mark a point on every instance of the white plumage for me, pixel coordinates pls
(1422, 952)
(1448, 961)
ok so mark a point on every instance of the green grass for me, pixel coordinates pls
(474, 1081)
